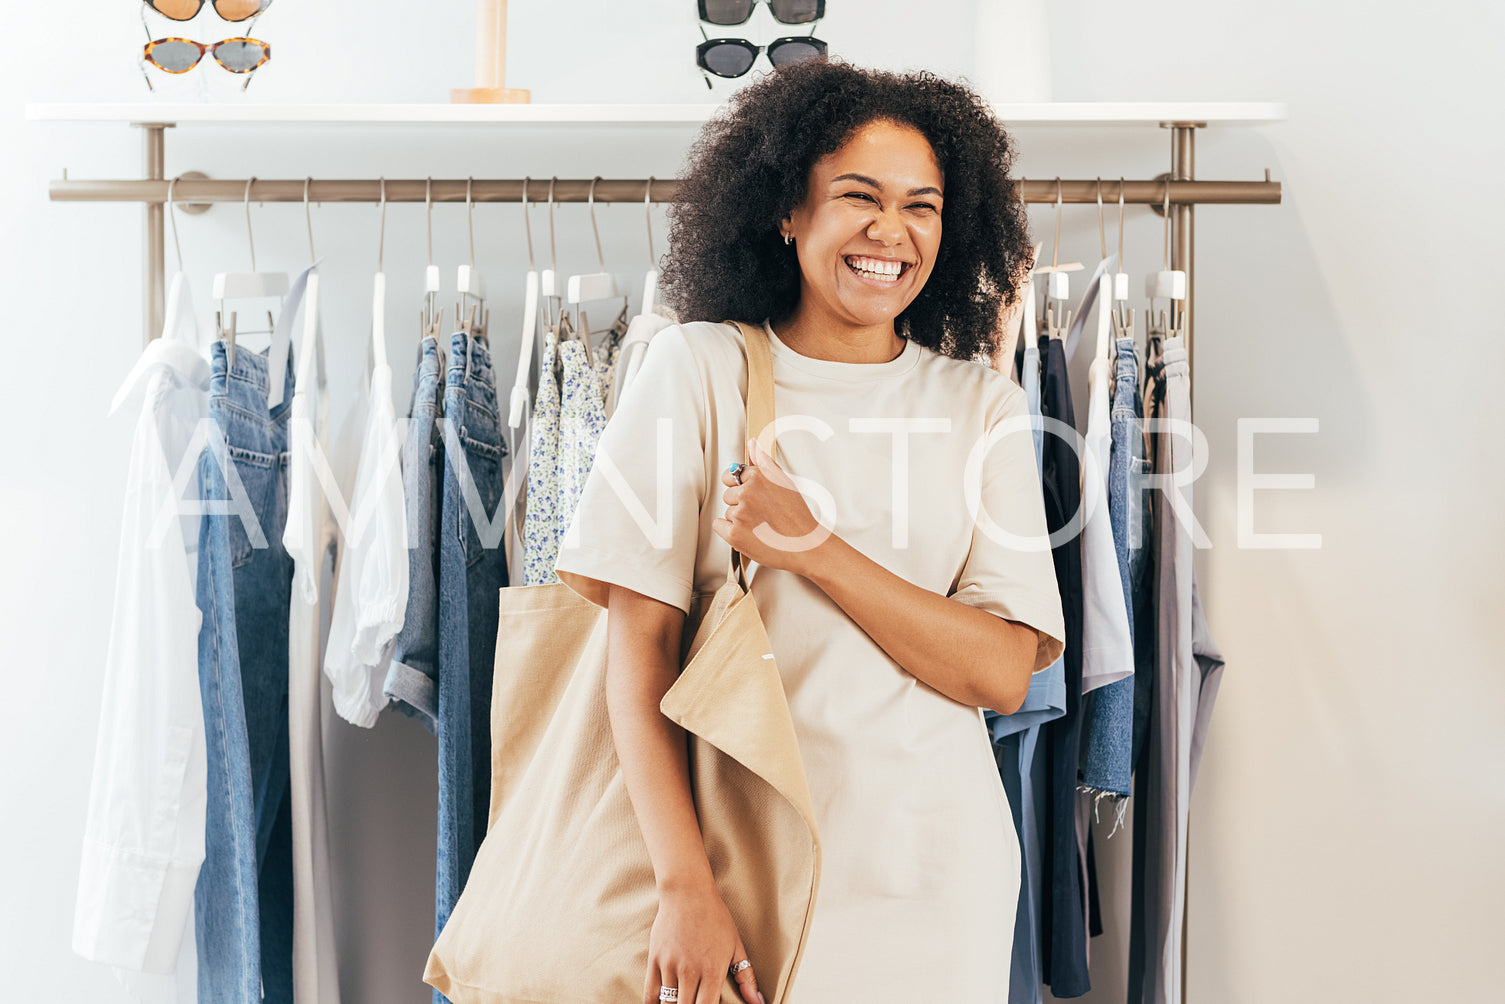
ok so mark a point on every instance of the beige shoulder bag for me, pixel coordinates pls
(561, 900)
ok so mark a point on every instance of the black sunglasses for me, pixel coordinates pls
(784, 11)
(733, 57)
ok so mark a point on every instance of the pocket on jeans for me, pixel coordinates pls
(257, 474)
(484, 464)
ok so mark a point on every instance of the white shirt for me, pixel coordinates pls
(144, 834)
(1107, 646)
(371, 587)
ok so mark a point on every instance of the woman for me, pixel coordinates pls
(868, 221)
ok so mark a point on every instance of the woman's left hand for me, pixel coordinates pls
(767, 519)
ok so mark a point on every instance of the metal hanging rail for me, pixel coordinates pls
(202, 190)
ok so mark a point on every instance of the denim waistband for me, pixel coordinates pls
(470, 392)
(238, 397)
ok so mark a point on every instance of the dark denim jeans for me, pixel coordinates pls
(413, 677)
(472, 571)
(244, 895)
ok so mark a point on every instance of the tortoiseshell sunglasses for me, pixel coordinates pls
(179, 55)
(229, 10)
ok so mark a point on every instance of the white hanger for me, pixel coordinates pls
(311, 353)
(592, 286)
(549, 279)
(177, 289)
(247, 286)
(1104, 288)
(1168, 283)
(178, 345)
(650, 282)
(520, 398)
(470, 317)
(430, 322)
(379, 286)
(1123, 314)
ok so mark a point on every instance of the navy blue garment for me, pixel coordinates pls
(1065, 914)
(243, 900)
(472, 571)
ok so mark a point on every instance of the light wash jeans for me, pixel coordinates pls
(244, 896)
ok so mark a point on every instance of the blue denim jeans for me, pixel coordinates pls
(472, 571)
(244, 896)
(413, 677)
(1109, 729)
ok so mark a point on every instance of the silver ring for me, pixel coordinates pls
(668, 993)
(744, 964)
(736, 471)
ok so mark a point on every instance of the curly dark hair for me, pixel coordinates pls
(751, 165)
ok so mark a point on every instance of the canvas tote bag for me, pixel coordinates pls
(561, 900)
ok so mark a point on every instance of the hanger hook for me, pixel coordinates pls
(591, 199)
(308, 217)
(250, 238)
(173, 217)
(1121, 224)
(553, 251)
(381, 240)
(648, 212)
(1102, 231)
(528, 225)
(428, 204)
(1166, 211)
(470, 220)
(1055, 245)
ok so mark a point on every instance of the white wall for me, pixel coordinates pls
(1338, 836)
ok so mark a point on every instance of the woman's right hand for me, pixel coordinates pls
(693, 945)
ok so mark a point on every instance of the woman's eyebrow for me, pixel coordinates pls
(864, 179)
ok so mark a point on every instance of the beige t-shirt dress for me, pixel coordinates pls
(925, 464)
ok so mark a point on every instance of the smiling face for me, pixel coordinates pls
(869, 227)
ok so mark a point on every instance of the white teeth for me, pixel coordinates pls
(876, 267)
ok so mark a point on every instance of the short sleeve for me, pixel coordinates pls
(1009, 570)
(638, 521)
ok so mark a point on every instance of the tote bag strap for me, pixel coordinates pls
(760, 413)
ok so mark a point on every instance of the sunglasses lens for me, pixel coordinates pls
(728, 60)
(726, 11)
(795, 51)
(239, 10)
(178, 10)
(240, 55)
(175, 56)
(796, 11)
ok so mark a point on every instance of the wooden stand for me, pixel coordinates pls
(491, 60)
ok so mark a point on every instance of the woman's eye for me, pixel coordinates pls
(859, 195)
(922, 205)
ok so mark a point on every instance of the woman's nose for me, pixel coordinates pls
(885, 228)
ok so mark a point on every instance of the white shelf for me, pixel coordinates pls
(1071, 113)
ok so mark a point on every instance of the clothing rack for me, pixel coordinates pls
(1176, 192)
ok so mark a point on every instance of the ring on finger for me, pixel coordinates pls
(744, 964)
(668, 993)
(736, 472)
